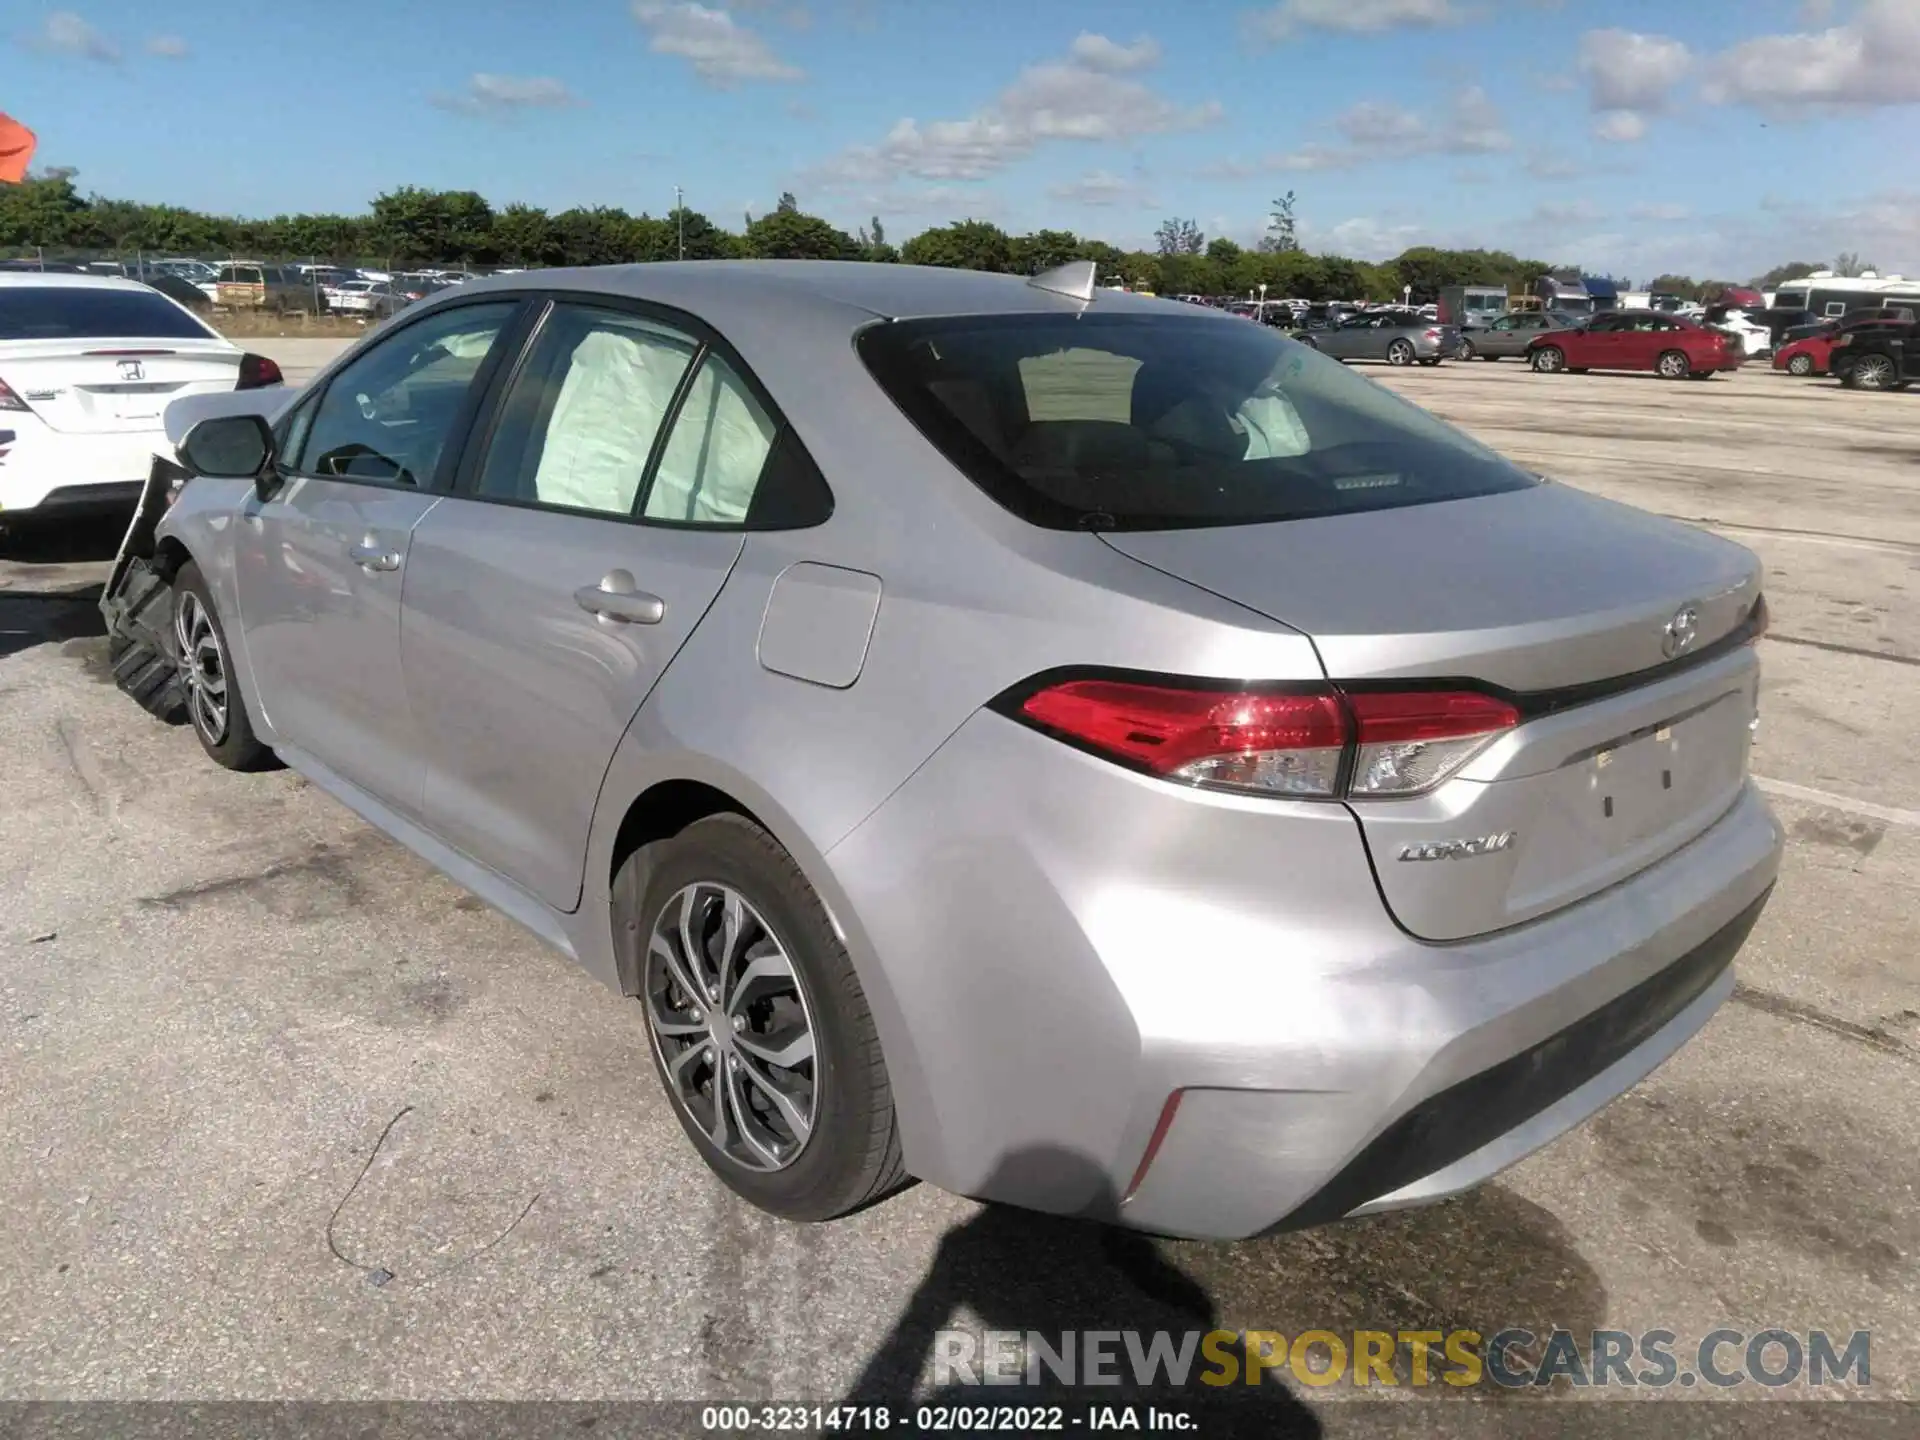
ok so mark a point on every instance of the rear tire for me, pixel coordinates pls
(1673, 365)
(215, 705)
(1869, 372)
(1800, 365)
(1400, 352)
(1549, 360)
(690, 884)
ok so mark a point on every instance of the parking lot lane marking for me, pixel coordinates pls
(1838, 649)
(1787, 790)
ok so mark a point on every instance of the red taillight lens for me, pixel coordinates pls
(1433, 334)
(1286, 744)
(1295, 744)
(257, 372)
(9, 400)
(1411, 741)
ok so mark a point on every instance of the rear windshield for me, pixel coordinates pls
(62, 312)
(1153, 422)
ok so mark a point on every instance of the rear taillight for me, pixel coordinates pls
(1282, 744)
(1299, 744)
(1410, 741)
(1434, 334)
(9, 400)
(257, 371)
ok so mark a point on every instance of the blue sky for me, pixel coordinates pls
(1715, 137)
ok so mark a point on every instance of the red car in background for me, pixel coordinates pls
(1813, 354)
(1806, 356)
(1669, 345)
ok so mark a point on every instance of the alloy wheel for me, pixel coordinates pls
(203, 664)
(1801, 365)
(1873, 372)
(1465, 352)
(1673, 365)
(730, 1020)
(1549, 359)
(1400, 353)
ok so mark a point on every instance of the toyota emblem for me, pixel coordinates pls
(1680, 632)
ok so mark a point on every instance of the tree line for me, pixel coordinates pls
(416, 226)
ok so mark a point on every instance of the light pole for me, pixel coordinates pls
(680, 214)
(1263, 300)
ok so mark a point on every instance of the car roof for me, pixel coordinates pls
(851, 292)
(17, 279)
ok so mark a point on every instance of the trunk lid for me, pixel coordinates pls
(1569, 603)
(105, 386)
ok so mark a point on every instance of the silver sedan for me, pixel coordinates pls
(1398, 337)
(1507, 337)
(1077, 749)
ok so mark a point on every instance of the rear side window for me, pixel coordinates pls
(1144, 422)
(74, 312)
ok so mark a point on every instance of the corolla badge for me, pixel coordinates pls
(1460, 849)
(1680, 632)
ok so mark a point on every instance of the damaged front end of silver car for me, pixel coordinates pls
(137, 602)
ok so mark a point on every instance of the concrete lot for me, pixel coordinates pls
(217, 993)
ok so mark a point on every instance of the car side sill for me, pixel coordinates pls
(502, 894)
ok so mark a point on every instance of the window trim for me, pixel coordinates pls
(510, 338)
(707, 340)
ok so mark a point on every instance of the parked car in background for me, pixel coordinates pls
(88, 365)
(1753, 335)
(1812, 353)
(181, 292)
(278, 289)
(689, 567)
(1399, 337)
(1885, 356)
(1508, 336)
(1669, 345)
(373, 298)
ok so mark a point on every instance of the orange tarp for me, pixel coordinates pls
(16, 150)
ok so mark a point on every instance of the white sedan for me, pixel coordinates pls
(88, 366)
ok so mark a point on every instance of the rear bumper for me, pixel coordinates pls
(65, 472)
(1063, 947)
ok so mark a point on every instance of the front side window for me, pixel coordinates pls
(1145, 422)
(389, 414)
(581, 419)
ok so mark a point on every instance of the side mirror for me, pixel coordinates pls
(231, 447)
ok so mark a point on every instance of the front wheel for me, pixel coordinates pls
(1800, 365)
(214, 702)
(1549, 360)
(1673, 365)
(760, 1031)
(1466, 351)
(1400, 352)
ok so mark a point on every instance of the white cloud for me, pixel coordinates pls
(1365, 238)
(1545, 165)
(798, 16)
(1565, 212)
(167, 47)
(1100, 187)
(68, 34)
(1092, 95)
(1629, 77)
(1097, 52)
(499, 94)
(1287, 18)
(722, 51)
(1874, 59)
(1374, 130)
(1621, 127)
(1661, 212)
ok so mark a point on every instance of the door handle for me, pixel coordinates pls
(616, 597)
(369, 554)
